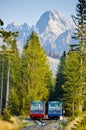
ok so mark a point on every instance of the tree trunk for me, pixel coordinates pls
(2, 86)
(7, 91)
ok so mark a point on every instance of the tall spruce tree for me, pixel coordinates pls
(80, 21)
(81, 17)
(75, 67)
(8, 53)
(60, 79)
(81, 13)
(38, 70)
(16, 85)
(71, 86)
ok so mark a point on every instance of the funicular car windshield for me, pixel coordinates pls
(55, 106)
(37, 106)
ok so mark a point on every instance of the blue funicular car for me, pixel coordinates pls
(54, 109)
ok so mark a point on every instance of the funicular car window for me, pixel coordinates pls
(37, 106)
(54, 106)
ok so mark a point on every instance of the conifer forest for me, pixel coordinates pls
(27, 76)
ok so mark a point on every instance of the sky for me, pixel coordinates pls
(29, 11)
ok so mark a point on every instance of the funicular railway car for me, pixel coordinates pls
(54, 109)
(37, 109)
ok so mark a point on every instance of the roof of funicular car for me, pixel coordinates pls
(34, 102)
(37, 101)
(55, 102)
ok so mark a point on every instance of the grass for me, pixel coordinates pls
(79, 123)
(71, 123)
(14, 125)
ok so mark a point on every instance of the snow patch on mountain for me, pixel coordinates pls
(50, 26)
(23, 31)
(53, 21)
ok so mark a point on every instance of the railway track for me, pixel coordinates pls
(42, 125)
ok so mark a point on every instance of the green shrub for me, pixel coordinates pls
(6, 115)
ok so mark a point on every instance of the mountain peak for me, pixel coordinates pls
(13, 26)
(53, 13)
(52, 20)
(15, 23)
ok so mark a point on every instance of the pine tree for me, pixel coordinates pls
(81, 16)
(16, 93)
(80, 22)
(39, 75)
(60, 79)
(71, 86)
(8, 51)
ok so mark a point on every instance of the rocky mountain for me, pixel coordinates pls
(54, 30)
(23, 30)
(51, 27)
(52, 21)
